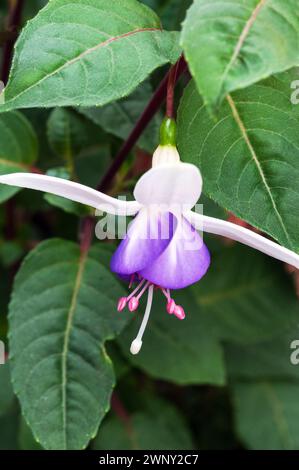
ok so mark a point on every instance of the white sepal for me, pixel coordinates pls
(243, 235)
(70, 190)
(171, 185)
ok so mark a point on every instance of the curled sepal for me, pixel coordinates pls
(243, 235)
(70, 190)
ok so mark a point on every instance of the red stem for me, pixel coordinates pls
(86, 233)
(172, 78)
(153, 106)
(121, 412)
(87, 224)
(13, 24)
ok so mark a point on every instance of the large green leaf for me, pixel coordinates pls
(250, 157)
(119, 118)
(268, 359)
(231, 44)
(18, 148)
(246, 296)
(161, 427)
(267, 414)
(86, 53)
(66, 134)
(61, 313)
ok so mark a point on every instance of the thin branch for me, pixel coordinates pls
(153, 106)
(123, 415)
(13, 24)
(158, 98)
(172, 77)
(86, 233)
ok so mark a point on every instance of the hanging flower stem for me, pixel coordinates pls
(171, 82)
(161, 93)
(151, 109)
(13, 23)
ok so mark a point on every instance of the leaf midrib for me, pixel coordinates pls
(82, 55)
(20, 165)
(244, 34)
(243, 130)
(278, 414)
(64, 356)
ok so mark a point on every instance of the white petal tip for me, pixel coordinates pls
(135, 346)
(8, 179)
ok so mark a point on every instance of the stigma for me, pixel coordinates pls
(132, 302)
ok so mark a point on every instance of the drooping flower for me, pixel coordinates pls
(162, 249)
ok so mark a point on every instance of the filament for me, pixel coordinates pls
(136, 289)
(143, 290)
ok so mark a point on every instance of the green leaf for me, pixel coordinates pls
(18, 148)
(250, 157)
(86, 53)
(267, 359)
(67, 135)
(119, 118)
(159, 428)
(6, 391)
(62, 311)
(267, 414)
(10, 252)
(231, 44)
(245, 296)
(91, 165)
(66, 205)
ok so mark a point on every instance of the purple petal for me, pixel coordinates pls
(148, 236)
(184, 261)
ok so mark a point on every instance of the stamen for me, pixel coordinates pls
(171, 306)
(133, 304)
(121, 304)
(136, 290)
(131, 281)
(179, 312)
(166, 293)
(137, 343)
(143, 290)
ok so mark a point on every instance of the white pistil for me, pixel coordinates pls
(137, 343)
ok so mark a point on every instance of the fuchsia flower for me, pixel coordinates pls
(162, 249)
